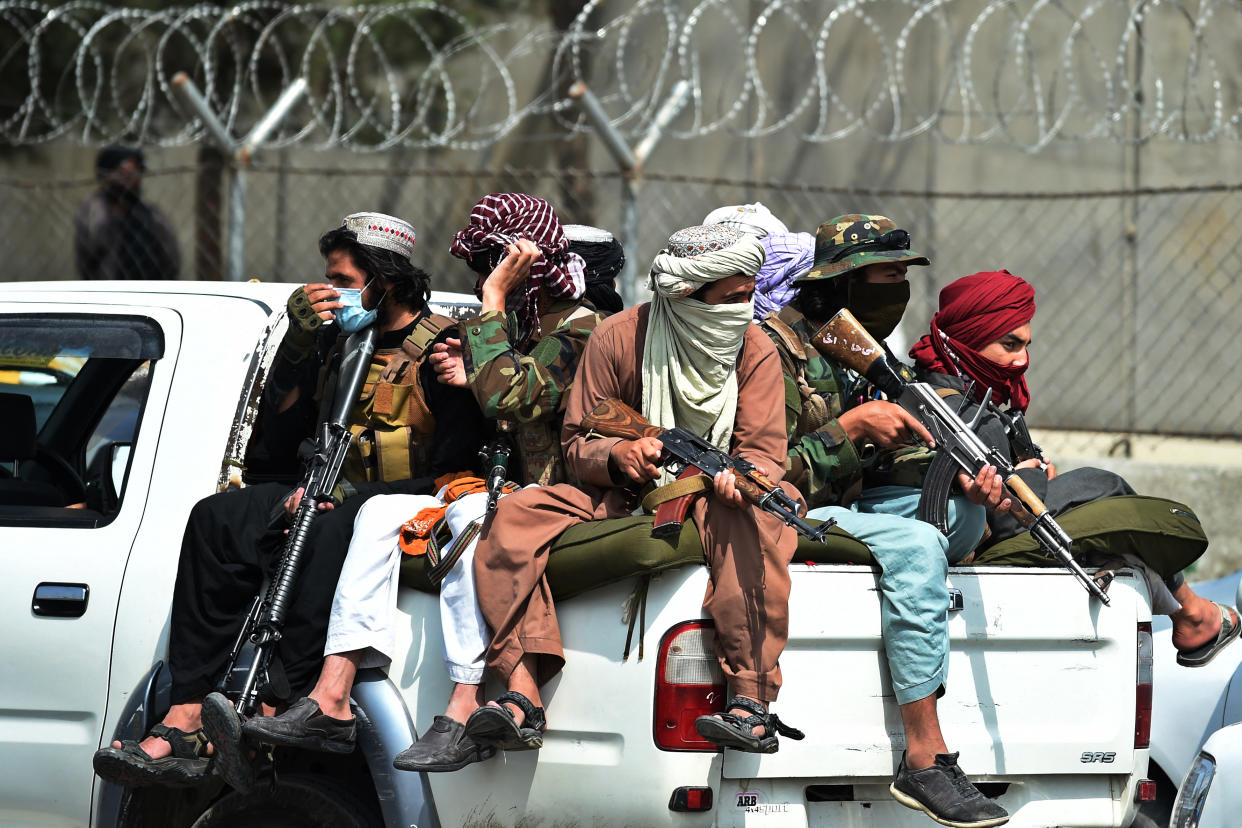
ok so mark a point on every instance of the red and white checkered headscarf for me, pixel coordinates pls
(500, 219)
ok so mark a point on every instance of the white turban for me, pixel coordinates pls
(690, 357)
(755, 219)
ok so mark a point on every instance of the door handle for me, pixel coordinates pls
(957, 602)
(60, 600)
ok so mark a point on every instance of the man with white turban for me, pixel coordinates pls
(690, 358)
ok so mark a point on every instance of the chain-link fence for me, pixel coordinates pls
(1135, 309)
(955, 117)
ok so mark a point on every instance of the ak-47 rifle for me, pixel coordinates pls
(958, 447)
(267, 615)
(685, 451)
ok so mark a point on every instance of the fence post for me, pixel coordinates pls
(241, 153)
(631, 165)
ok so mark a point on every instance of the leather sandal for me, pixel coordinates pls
(498, 726)
(1199, 656)
(733, 731)
(224, 728)
(133, 767)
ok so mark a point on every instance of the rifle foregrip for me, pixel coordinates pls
(750, 490)
(613, 418)
(1029, 499)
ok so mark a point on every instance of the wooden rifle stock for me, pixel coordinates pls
(844, 339)
(613, 418)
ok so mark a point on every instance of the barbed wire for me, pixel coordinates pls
(424, 75)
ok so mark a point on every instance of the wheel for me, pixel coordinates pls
(299, 801)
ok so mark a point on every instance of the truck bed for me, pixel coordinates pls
(1040, 702)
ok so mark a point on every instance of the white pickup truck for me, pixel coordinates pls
(142, 396)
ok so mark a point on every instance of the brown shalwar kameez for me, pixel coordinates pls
(748, 551)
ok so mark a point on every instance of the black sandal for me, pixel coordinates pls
(133, 767)
(497, 725)
(733, 731)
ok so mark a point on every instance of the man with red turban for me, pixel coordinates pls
(978, 341)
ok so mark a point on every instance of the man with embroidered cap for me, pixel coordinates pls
(233, 538)
(520, 386)
(690, 358)
(855, 458)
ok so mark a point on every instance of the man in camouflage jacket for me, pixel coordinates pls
(853, 456)
(519, 366)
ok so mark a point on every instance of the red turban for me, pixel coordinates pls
(975, 311)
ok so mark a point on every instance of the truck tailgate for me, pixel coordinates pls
(1041, 678)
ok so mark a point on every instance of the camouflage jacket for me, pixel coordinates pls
(823, 463)
(525, 392)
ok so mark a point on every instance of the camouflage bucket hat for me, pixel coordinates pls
(852, 241)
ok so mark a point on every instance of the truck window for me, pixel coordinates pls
(72, 392)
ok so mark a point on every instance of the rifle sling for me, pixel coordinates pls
(672, 501)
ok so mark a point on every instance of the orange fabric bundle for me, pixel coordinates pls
(420, 530)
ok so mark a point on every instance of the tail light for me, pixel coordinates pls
(1142, 687)
(689, 684)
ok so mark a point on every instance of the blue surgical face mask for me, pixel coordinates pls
(353, 317)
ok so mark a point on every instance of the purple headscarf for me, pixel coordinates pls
(789, 256)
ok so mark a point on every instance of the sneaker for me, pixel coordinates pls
(945, 794)
(304, 725)
(444, 747)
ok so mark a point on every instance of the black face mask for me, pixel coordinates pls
(878, 307)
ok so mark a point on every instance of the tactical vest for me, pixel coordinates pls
(390, 421)
(812, 388)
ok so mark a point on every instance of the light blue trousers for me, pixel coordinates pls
(914, 595)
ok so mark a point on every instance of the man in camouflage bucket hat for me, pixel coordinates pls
(851, 455)
(518, 368)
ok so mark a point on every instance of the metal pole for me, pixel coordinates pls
(678, 95)
(242, 154)
(236, 234)
(195, 100)
(271, 120)
(633, 291)
(593, 110)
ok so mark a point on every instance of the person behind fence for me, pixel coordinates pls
(850, 456)
(117, 235)
(981, 335)
(233, 538)
(520, 383)
(690, 358)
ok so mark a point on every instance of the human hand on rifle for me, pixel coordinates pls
(885, 424)
(724, 484)
(636, 459)
(295, 499)
(1049, 468)
(986, 489)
